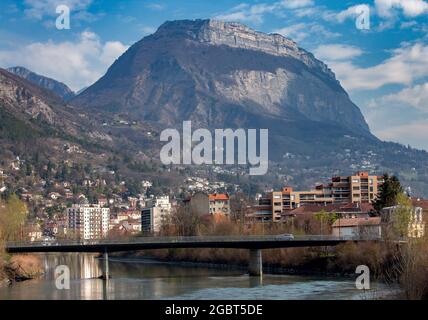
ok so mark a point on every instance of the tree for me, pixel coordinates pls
(13, 213)
(28, 169)
(389, 191)
(186, 221)
(402, 216)
(325, 218)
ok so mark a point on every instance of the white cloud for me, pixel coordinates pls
(337, 52)
(156, 6)
(410, 8)
(146, 30)
(401, 116)
(78, 64)
(297, 32)
(300, 31)
(295, 4)
(408, 24)
(349, 13)
(248, 13)
(413, 133)
(416, 97)
(38, 9)
(406, 65)
(255, 13)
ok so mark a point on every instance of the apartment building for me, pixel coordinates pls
(88, 221)
(358, 188)
(215, 204)
(219, 204)
(152, 216)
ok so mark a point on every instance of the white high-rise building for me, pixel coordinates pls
(156, 210)
(89, 221)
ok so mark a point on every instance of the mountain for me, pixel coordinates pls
(43, 138)
(56, 87)
(226, 75)
(81, 90)
(34, 120)
(221, 74)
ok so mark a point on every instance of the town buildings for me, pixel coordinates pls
(359, 188)
(157, 209)
(88, 221)
(212, 204)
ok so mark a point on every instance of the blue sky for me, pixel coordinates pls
(384, 68)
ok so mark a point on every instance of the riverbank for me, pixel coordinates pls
(21, 268)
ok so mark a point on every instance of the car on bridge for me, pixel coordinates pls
(285, 236)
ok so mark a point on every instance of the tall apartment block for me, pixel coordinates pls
(152, 216)
(89, 221)
(358, 188)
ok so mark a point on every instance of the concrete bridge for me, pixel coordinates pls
(255, 244)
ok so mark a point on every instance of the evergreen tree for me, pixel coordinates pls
(389, 191)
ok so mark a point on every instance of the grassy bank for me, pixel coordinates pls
(13, 214)
(19, 268)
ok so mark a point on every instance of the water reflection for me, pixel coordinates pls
(148, 279)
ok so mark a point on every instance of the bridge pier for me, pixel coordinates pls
(106, 273)
(255, 265)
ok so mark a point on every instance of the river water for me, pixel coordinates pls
(146, 279)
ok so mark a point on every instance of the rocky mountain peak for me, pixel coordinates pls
(224, 75)
(237, 35)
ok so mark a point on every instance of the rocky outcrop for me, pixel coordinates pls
(14, 95)
(56, 87)
(237, 35)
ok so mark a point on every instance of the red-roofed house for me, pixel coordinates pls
(219, 204)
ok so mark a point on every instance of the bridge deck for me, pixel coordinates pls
(146, 243)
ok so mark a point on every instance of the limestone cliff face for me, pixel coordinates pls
(18, 98)
(237, 35)
(221, 74)
(52, 85)
(38, 109)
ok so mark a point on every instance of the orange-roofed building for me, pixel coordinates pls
(210, 204)
(219, 204)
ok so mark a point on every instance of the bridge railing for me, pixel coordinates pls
(195, 239)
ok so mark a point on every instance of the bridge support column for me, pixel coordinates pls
(106, 273)
(255, 265)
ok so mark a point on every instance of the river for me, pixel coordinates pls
(146, 279)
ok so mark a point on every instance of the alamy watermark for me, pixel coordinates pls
(363, 280)
(63, 20)
(62, 277)
(200, 147)
(362, 21)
